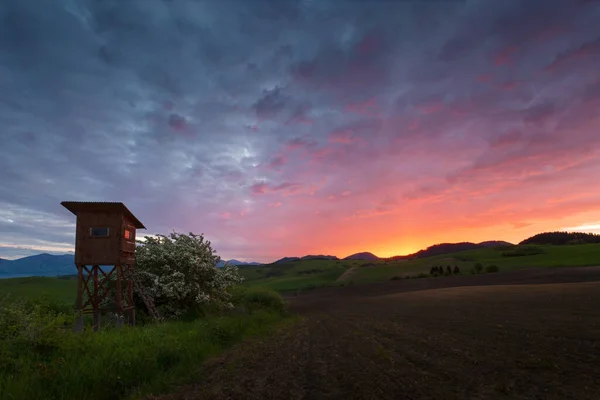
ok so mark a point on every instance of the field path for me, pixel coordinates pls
(494, 336)
(347, 274)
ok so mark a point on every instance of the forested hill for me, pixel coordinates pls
(447, 248)
(562, 238)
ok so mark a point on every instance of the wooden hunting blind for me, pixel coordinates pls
(105, 237)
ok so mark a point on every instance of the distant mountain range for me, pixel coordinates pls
(55, 265)
(236, 262)
(39, 265)
(357, 256)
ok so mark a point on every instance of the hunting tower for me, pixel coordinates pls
(105, 258)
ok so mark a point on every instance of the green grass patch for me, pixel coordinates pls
(56, 289)
(308, 274)
(41, 358)
(544, 256)
(296, 275)
(523, 251)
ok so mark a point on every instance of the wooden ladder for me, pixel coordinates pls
(139, 289)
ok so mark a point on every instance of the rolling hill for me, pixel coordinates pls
(362, 256)
(304, 258)
(319, 257)
(562, 238)
(286, 259)
(448, 248)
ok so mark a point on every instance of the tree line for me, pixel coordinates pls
(562, 238)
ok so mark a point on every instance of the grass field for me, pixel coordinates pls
(315, 273)
(482, 342)
(549, 256)
(309, 274)
(61, 290)
(41, 358)
(297, 274)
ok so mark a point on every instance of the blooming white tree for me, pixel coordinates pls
(180, 273)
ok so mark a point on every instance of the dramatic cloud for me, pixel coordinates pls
(280, 128)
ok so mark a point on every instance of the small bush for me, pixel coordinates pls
(491, 268)
(309, 271)
(38, 322)
(258, 299)
(274, 272)
(523, 252)
(395, 278)
(478, 267)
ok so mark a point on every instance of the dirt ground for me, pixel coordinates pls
(521, 335)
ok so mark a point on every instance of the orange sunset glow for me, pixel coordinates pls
(314, 129)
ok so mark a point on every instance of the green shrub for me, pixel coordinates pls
(464, 258)
(309, 271)
(37, 322)
(478, 267)
(491, 268)
(179, 272)
(523, 252)
(258, 299)
(274, 272)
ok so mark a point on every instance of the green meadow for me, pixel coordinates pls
(40, 357)
(60, 290)
(309, 274)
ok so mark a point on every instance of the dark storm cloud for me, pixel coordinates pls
(187, 110)
(270, 104)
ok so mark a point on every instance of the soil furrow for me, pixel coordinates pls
(535, 341)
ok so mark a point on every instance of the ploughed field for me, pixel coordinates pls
(532, 334)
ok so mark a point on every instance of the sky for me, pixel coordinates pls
(291, 127)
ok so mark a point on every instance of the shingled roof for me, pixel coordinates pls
(101, 206)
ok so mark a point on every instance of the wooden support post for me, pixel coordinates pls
(95, 301)
(79, 304)
(130, 295)
(119, 297)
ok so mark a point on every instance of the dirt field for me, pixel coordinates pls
(518, 335)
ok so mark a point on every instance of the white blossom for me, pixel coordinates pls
(180, 272)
